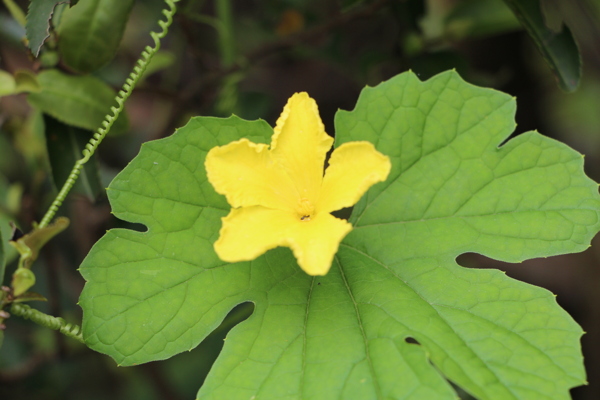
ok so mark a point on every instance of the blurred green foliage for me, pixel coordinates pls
(246, 58)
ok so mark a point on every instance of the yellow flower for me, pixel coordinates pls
(278, 194)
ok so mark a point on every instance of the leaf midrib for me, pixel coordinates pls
(362, 330)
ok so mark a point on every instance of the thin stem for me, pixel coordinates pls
(228, 97)
(16, 12)
(109, 119)
(226, 42)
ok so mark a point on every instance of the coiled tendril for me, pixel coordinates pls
(109, 119)
(58, 324)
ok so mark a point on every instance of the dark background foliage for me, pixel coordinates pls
(250, 66)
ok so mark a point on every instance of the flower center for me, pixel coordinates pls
(305, 209)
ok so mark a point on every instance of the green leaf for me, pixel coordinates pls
(81, 101)
(559, 49)
(8, 85)
(38, 22)
(30, 244)
(22, 81)
(150, 295)
(22, 280)
(29, 296)
(90, 32)
(65, 144)
(26, 81)
(454, 191)
(9, 195)
(553, 17)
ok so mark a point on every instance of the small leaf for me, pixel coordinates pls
(22, 280)
(30, 244)
(26, 81)
(22, 81)
(558, 48)
(81, 101)
(8, 85)
(38, 22)
(29, 296)
(65, 144)
(90, 32)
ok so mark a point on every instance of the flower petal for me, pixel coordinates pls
(315, 242)
(353, 168)
(300, 144)
(245, 173)
(249, 232)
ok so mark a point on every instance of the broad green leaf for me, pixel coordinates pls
(65, 144)
(559, 49)
(150, 295)
(81, 101)
(38, 22)
(90, 32)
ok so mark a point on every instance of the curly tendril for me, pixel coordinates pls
(58, 324)
(109, 119)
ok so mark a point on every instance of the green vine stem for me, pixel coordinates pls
(58, 324)
(226, 40)
(122, 96)
(228, 96)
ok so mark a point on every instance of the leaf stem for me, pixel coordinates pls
(226, 42)
(228, 97)
(16, 12)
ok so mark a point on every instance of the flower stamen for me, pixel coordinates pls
(305, 208)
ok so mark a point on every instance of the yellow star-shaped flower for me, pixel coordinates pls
(278, 194)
